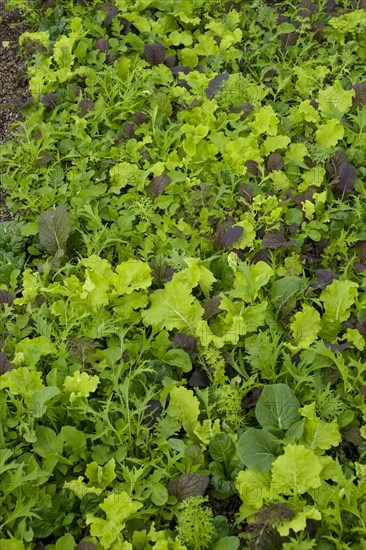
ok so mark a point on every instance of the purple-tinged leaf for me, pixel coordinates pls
(154, 53)
(101, 45)
(336, 162)
(359, 267)
(275, 162)
(353, 435)
(212, 307)
(337, 347)
(246, 192)
(324, 278)
(199, 379)
(158, 185)
(361, 327)
(288, 39)
(253, 167)
(170, 61)
(261, 256)
(360, 97)
(5, 365)
(86, 546)
(307, 196)
(250, 400)
(188, 485)
(152, 412)
(215, 84)
(186, 342)
(276, 239)
(54, 229)
(306, 9)
(128, 130)
(231, 235)
(345, 178)
(361, 250)
(161, 271)
(112, 12)
(139, 118)
(85, 106)
(180, 69)
(50, 100)
(6, 297)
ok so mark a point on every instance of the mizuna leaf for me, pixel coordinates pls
(154, 53)
(258, 449)
(54, 229)
(188, 485)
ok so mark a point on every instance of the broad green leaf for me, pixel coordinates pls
(11, 544)
(130, 276)
(23, 381)
(66, 542)
(334, 101)
(227, 543)
(80, 384)
(277, 407)
(48, 442)
(54, 229)
(254, 489)
(304, 328)
(222, 447)
(30, 350)
(338, 298)
(122, 174)
(296, 471)
(287, 290)
(73, 438)
(329, 133)
(250, 279)
(258, 449)
(265, 121)
(118, 509)
(273, 143)
(298, 523)
(173, 307)
(39, 399)
(101, 476)
(184, 406)
(321, 435)
(96, 289)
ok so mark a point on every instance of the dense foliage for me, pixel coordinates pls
(182, 281)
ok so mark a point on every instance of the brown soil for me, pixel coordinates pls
(13, 75)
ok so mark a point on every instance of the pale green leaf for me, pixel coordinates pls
(304, 328)
(338, 297)
(184, 406)
(296, 471)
